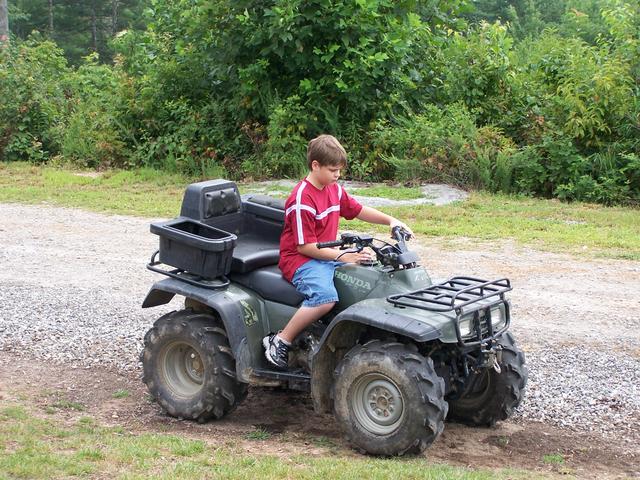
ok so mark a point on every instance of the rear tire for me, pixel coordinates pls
(388, 398)
(493, 396)
(189, 368)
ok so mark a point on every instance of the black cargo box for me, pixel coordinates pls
(195, 247)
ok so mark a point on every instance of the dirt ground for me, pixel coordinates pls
(294, 428)
(558, 300)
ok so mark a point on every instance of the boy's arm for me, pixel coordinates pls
(371, 215)
(310, 250)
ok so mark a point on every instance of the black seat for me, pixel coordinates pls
(253, 252)
(270, 284)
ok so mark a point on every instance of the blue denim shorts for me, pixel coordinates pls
(314, 280)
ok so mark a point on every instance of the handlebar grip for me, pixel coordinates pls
(400, 234)
(335, 243)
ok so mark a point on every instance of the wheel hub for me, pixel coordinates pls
(182, 368)
(378, 404)
(193, 365)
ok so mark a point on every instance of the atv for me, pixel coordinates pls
(396, 356)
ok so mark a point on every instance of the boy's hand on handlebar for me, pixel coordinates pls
(356, 257)
(397, 223)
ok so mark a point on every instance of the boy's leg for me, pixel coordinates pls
(314, 280)
(304, 317)
(277, 346)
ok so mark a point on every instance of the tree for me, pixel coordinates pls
(4, 23)
(78, 26)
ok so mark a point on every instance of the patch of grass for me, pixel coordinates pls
(44, 449)
(92, 454)
(553, 459)
(389, 191)
(258, 434)
(578, 228)
(121, 394)
(13, 413)
(273, 190)
(141, 192)
(68, 405)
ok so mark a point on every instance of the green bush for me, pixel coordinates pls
(34, 93)
(539, 169)
(283, 153)
(94, 135)
(555, 168)
(477, 70)
(305, 67)
(178, 139)
(441, 144)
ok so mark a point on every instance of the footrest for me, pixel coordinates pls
(289, 375)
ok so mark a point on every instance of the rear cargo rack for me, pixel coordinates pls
(192, 279)
(457, 293)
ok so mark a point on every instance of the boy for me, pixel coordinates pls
(312, 214)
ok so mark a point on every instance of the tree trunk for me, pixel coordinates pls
(94, 27)
(4, 24)
(114, 17)
(50, 17)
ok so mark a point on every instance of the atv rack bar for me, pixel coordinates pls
(460, 292)
(187, 277)
(454, 294)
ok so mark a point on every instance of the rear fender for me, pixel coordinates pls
(226, 307)
(343, 333)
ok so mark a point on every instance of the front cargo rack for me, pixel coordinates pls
(453, 294)
(457, 293)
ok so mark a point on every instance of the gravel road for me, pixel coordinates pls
(72, 283)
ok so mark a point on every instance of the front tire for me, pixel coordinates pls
(388, 398)
(493, 396)
(189, 368)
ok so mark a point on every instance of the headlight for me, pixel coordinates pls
(466, 326)
(497, 318)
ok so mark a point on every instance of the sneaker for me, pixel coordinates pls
(276, 351)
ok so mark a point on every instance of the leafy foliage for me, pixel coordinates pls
(78, 27)
(525, 96)
(33, 100)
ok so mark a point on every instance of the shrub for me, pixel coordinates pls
(94, 134)
(283, 154)
(477, 71)
(33, 90)
(441, 144)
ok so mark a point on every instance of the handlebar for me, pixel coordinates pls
(335, 243)
(396, 256)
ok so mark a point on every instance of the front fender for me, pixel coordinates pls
(374, 313)
(343, 332)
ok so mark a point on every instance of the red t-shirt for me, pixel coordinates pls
(312, 215)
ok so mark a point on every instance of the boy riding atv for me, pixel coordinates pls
(393, 358)
(312, 214)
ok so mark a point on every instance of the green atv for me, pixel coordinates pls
(396, 356)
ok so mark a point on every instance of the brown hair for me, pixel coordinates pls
(326, 150)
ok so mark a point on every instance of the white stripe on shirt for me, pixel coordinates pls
(298, 214)
(333, 208)
(320, 216)
(299, 206)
